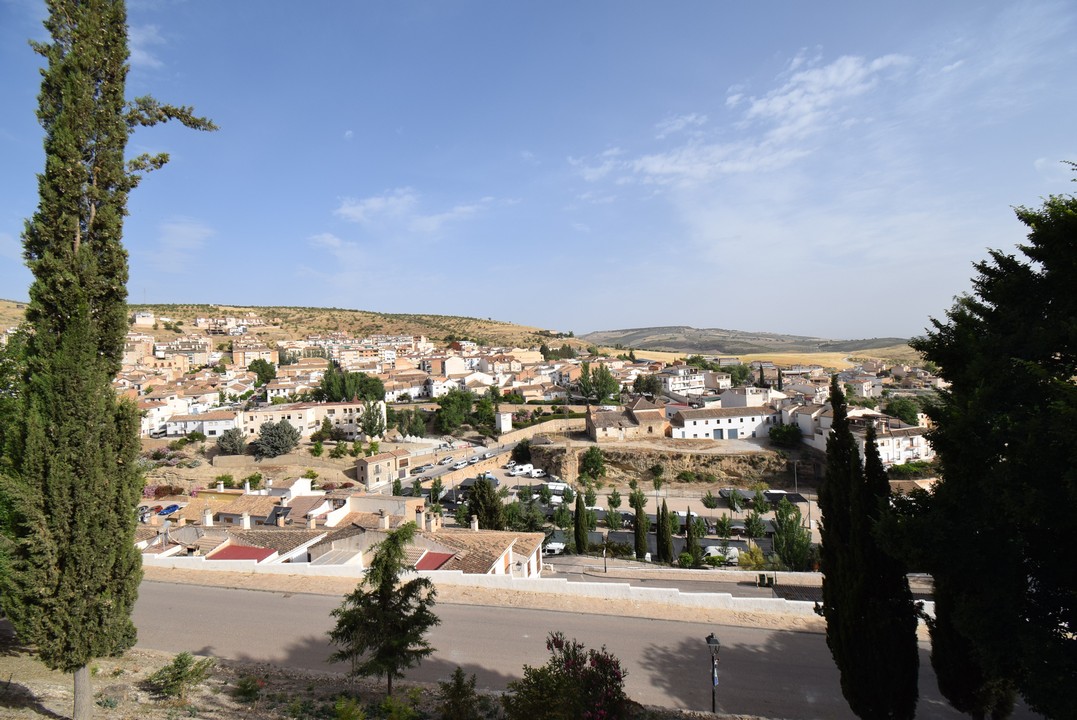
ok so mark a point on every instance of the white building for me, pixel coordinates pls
(723, 423)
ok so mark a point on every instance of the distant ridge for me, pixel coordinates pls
(718, 341)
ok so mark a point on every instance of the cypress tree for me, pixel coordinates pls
(691, 540)
(870, 618)
(665, 535)
(580, 525)
(640, 523)
(70, 448)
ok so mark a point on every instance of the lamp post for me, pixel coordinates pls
(715, 646)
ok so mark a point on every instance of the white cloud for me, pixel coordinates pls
(391, 204)
(678, 123)
(348, 134)
(529, 157)
(326, 240)
(180, 242)
(597, 168)
(400, 209)
(142, 39)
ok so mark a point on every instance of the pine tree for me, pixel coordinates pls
(381, 626)
(71, 449)
(483, 503)
(870, 618)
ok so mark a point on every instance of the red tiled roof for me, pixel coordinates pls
(433, 560)
(242, 552)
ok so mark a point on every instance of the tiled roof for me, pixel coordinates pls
(707, 413)
(283, 540)
(612, 419)
(433, 561)
(242, 552)
(478, 551)
(256, 505)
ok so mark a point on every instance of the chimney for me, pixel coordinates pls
(180, 522)
(155, 520)
(420, 519)
(435, 522)
(245, 520)
(383, 521)
(312, 523)
(474, 523)
(246, 487)
(220, 487)
(207, 518)
(280, 521)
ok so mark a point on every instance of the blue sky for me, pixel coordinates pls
(828, 169)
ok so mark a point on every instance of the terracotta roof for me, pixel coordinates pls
(433, 561)
(283, 540)
(478, 551)
(303, 504)
(242, 552)
(145, 532)
(256, 505)
(616, 418)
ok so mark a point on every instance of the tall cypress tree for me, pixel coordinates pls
(870, 619)
(664, 539)
(579, 525)
(71, 449)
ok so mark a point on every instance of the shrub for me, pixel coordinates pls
(710, 500)
(255, 480)
(248, 688)
(177, 678)
(685, 560)
(311, 474)
(574, 683)
(339, 450)
(226, 480)
(177, 445)
(786, 435)
(232, 442)
(458, 699)
(196, 436)
(686, 476)
(347, 708)
(401, 708)
(317, 449)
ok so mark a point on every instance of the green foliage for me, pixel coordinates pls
(562, 516)
(454, 409)
(396, 708)
(339, 450)
(598, 384)
(871, 620)
(1004, 440)
(521, 452)
(709, 500)
(664, 535)
(340, 386)
(786, 435)
(275, 439)
(792, 541)
(226, 480)
(754, 527)
(692, 539)
(753, 559)
(327, 432)
(640, 523)
(263, 370)
(371, 420)
(232, 442)
(723, 526)
(574, 683)
(317, 449)
(177, 678)
(310, 474)
(593, 463)
(579, 524)
(647, 385)
(381, 626)
(913, 469)
(904, 409)
(739, 374)
(70, 473)
(482, 501)
(254, 480)
(248, 688)
(457, 699)
(347, 708)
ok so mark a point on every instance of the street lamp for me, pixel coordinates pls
(715, 646)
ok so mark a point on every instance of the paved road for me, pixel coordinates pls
(763, 672)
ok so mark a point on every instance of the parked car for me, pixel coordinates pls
(487, 455)
(538, 472)
(446, 460)
(473, 460)
(510, 464)
(553, 548)
(168, 510)
(460, 465)
(421, 469)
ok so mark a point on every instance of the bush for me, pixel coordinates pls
(177, 445)
(317, 449)
(785, 435)
(339, 450)
(574, 683)
(177, 678)
(686, 476)
(458, 699)
(347, 708)
(255, 480)
(248, 688)
(226, 480)
(710, 500)
(232, 442)
(685, 560)
(196, 436)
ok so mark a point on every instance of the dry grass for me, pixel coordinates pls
(836, 360)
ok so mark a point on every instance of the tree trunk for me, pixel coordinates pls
(83, 707)
(389, 678)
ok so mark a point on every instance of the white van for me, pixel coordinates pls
(524, 469)
(557, 488)
(538, 472)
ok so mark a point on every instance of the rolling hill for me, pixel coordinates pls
(683, 339)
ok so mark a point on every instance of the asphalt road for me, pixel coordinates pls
(762, 672)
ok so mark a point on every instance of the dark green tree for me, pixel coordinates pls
(1006, 454)
(613, 510)
(647, 385)
(871, 620)
(454, 409)
(275, 438)
(381, 626)
(664, 535)
(232, 442)
(340, 385)
(904, 409)
(593, 463)
(604, 384)
(754, 526)
(786, 435)
(457, 699)
(264, 371)
(521, 452)
(70, 446)
(641, 523)
(579, 525)
(483, 502)
(691, 541)
(792, 541)
(562, 516)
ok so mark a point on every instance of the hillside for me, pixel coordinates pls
(717, 341)
(297, 322)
